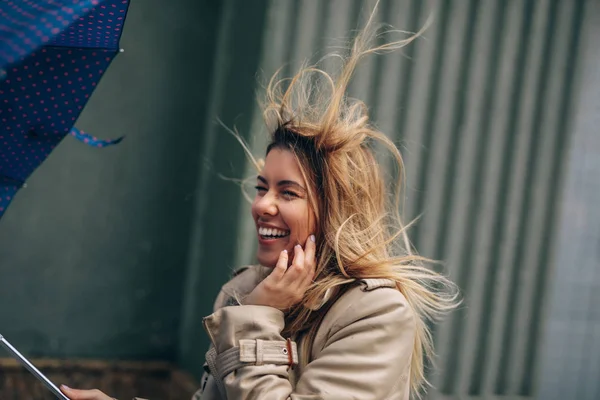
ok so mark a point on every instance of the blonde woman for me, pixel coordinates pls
(337, 307)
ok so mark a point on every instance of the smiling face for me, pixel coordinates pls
(281, 209)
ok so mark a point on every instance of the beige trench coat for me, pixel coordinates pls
(362, 349)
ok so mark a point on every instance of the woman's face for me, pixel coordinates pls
(280, 209)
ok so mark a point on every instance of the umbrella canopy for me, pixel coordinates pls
(53, 54)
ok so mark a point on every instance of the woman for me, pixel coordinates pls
(335, 310)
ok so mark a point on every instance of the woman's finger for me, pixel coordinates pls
(281, 266)
(298, 261)
(310, 263)
(75, 394)
(293, 272)
(309, 252)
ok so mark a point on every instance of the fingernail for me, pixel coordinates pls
(312, 238)
(285, 251)
(298, 245)
(66, 387)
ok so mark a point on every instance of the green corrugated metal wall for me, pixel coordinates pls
(479, 107)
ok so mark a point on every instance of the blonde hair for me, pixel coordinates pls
(360, 231)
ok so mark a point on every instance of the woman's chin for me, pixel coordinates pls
(269, 262)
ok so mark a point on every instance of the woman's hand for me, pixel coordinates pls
(285, 287)
(75, 394)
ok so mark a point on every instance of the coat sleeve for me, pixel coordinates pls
(366, 354)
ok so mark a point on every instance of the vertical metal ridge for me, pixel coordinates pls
(408, 65)
(528, 105)
(382, 62)
(337, 30)
(542, 183)
(482, 297)
(373, 97)
(424, 54)
(391, 84)
(504, 375)
(369, 94)
(503, 223)
(431, 110)
(305, 35)
(444, 333)
(341, 27)
(413, 22)
(289, 33)
(441, 128)
(361, 86)
(326, 14)
(456, 135)
(496, 278)
(464, 278)
(530, 368)
(446, 149)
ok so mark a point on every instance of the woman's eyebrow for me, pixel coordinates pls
(290, 183)
(285, 182)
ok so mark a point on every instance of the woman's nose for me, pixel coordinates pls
(267, 205)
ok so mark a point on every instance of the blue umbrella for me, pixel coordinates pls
(52, 55)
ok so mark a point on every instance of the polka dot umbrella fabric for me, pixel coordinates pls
(52, 56)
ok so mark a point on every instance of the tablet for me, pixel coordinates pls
(51, 386)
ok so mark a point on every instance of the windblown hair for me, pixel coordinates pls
(360, 233)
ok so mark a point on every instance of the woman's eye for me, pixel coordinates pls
(288, 193)
(260, 188)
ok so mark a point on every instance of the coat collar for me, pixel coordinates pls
(245, 279)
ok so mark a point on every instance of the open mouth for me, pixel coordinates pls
(272, 233)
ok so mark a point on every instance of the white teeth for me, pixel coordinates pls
(271, 232)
